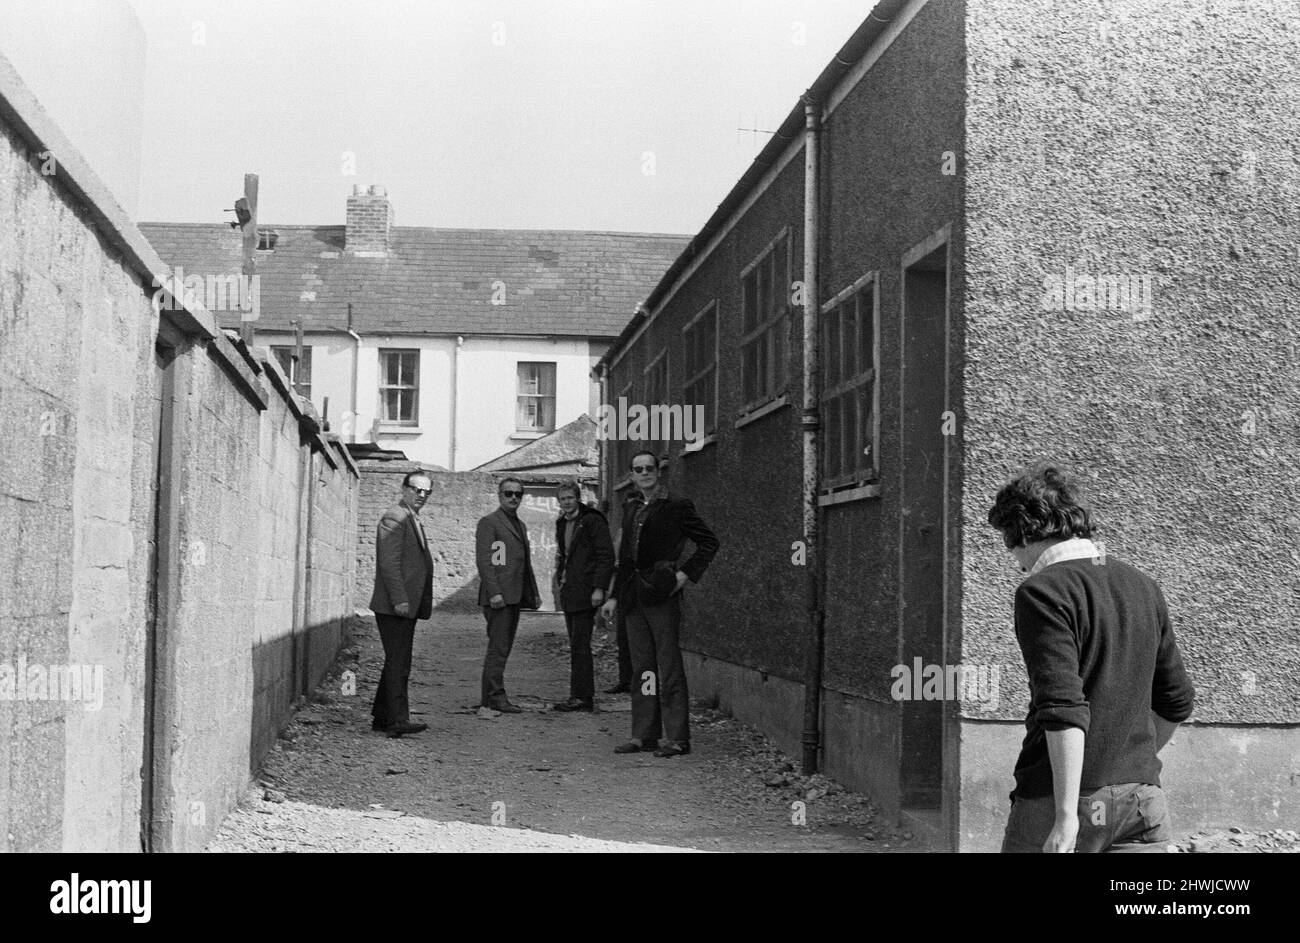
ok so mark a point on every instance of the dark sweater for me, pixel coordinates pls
(1101, 655)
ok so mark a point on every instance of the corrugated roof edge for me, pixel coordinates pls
(850, 53)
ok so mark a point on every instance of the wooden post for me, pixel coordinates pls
(249, 229)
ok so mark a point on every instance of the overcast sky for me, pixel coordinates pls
(564, 114)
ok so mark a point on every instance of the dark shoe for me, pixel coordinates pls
(673, 749)
(573, 704)
(507, 708)
(619, 688)
(633, 747)
(397, 730)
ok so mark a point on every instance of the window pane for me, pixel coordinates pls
(849, 341)
(866, 459)
(749, 370)
(781, 276)
(866, 329)
(546, 379)
(831, 426)
(849, 427)
(764, 290)
(831, 354)
(748, 302)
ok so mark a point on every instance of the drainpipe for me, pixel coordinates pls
(811, 422)
(356, 360)
(455, 365)
(602, 457)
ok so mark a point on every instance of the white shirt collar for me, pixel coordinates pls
(1075, 548)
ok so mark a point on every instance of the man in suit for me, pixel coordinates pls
(648, 587)
(584, 563)
(506, 585)
(403, 593)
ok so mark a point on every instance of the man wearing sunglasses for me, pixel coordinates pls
(648, 587)
(403, 594)
(506, 585)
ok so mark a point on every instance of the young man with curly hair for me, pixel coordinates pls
(1106, 680)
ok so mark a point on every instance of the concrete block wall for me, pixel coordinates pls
(75, 408)
(84, 368)
(332, 561)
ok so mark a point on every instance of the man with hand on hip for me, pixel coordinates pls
(506, 585)
(403, 594)
(647, 588)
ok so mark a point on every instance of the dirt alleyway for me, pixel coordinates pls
(539, 776)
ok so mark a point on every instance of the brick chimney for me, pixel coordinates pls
(369, 221)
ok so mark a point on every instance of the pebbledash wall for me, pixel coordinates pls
(170, 517)
(1153, 141)
(1149, 143)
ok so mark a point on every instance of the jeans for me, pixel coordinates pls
(1131, 817)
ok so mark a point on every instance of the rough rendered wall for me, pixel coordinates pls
(450, 515)
(75, 389)
(1146, 140)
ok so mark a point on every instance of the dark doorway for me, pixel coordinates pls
(924, 485)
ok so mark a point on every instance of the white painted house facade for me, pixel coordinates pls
(453, 346)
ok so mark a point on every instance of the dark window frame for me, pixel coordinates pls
(693, 373)
(848, 382)
(765, 322)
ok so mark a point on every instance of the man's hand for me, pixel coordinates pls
(597, 597)
(403, 609)
(681, 581)
(497, 602)
(1065, 830)
(608, 610)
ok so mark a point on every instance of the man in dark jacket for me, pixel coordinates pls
(503, 556)
(403, 593)
(1106, 680)
(584, 563)
(648, 587)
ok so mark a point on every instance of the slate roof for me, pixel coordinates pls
(557, 282)
(569, 449)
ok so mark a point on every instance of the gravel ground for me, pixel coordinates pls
(548, 781)
(537, 781)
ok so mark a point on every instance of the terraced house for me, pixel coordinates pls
(867, 320)
(454, 346)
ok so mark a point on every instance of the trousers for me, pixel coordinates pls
(582, 676)
(501, 627)
(391, 703)
(660, 701)
(1131, 817)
